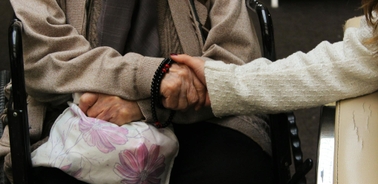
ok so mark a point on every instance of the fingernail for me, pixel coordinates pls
(173, 54)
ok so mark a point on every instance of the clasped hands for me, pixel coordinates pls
(183, 87)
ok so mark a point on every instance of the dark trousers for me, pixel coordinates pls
(212, 154)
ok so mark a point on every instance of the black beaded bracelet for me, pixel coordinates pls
(155, 93)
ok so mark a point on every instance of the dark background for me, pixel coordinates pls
(299, 26)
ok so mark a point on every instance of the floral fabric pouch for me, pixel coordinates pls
(97, 151)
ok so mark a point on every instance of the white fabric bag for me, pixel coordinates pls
(97, 151)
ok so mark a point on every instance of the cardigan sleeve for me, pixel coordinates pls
(327, 73)
(59, 61)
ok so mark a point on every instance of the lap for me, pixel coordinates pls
(48, 175)
(210, 153)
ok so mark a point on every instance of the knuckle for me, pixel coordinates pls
(169, 104)
(84, 99)
(193, 100)
(114, 98)
(183, 72)
(123, 112)
(172, 85)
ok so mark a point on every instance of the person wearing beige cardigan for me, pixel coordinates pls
(327, 73)
(95, 46)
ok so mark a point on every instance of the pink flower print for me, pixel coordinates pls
(140, 166)
(102, 134)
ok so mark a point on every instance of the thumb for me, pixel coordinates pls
(87, 100)
(185, 59)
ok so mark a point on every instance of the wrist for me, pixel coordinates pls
(155, 93)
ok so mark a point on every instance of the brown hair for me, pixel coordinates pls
(370, 6)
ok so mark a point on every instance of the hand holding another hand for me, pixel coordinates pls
(110, 108)
(197, 65)
(181, 89)
(184, 86)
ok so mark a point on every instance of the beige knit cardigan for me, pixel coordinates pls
(61, 56)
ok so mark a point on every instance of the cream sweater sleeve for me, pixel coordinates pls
(327, 73)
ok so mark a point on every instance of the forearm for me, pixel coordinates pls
(59, 61)
(326, 74)
(92, 71)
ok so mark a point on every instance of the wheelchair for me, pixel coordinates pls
(286, 146)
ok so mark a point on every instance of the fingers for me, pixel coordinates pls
(110, 108)
(197, 65)
(181, 89)
(117, 115)
(201, 91)
(191, 91)
(185, 59)
(87, 100)
(174, 86)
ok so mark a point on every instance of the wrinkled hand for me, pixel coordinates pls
(195, 64)
(110, 108)
(181, 89)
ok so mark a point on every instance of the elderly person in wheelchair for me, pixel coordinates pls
(73, 47)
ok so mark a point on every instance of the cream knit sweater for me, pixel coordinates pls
(327, 73)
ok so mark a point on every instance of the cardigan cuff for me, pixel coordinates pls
(218, 75)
